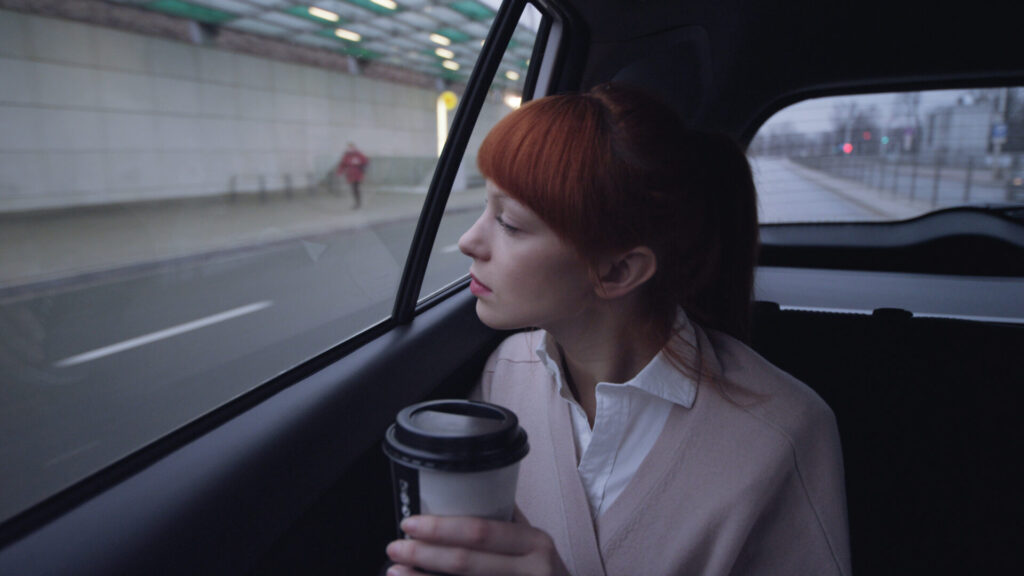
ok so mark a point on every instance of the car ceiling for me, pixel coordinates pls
(752, 57)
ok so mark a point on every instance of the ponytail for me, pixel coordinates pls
(718, 253)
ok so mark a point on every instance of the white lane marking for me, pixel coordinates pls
(450, 249)
(160, 335)
(72, 453)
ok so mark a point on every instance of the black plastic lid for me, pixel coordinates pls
(456, 435)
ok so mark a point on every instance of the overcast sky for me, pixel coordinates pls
(815, 115)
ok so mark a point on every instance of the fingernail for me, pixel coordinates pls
(410, 524)
(392, 572)
(395, 548)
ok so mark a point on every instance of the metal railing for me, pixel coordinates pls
(939, 180)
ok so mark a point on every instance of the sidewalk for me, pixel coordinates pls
(51, 245)
(883, 203)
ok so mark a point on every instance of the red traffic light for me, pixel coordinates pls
(866, 135)
(847, 148)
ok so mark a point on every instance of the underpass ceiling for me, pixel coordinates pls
(440, 38)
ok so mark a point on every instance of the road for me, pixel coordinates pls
(93, 373)
(786, 195)
(865, 189)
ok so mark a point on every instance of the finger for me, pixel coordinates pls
(460, 561)
(474, 533)
(399, 570)
(426, 556)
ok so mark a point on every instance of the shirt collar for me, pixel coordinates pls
(659, 377)
(547, 351)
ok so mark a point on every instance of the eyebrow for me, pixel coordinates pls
(496, 194)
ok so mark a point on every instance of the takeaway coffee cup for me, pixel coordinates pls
(455, 458)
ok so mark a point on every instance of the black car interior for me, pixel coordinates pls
(291, 479)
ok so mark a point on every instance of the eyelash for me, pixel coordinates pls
(505, 225)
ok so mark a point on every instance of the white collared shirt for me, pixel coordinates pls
(628, 420)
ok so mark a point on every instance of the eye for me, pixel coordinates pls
(505, 225)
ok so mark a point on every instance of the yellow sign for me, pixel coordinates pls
(450, 99)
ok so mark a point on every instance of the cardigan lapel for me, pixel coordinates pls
(576, 509)
(665, 455)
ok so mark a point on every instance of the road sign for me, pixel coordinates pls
(449, 99)
(999, 133)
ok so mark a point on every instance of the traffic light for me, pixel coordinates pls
(847, 148)
(866, 135)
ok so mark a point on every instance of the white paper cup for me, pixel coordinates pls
(455, 458)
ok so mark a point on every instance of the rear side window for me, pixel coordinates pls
(196, 197)
(893, 156)
(447, 265)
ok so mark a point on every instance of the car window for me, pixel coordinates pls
(196, 197)
(893, 156)
(447, 264)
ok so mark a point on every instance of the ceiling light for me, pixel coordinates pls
(323, 14)
(445, 53)
(347, 35)
(512, 75)
(450, 64)
(442, 40)
(385, 3)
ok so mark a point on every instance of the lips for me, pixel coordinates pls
(477, 287)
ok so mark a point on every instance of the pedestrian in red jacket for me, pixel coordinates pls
(353, 165)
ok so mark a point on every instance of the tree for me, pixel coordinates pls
(906, 128)
(857, 125)
(1014, 120)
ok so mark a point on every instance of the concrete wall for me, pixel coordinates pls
(94, 115)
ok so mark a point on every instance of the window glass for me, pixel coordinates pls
(890, 156)
(179, 217)
(447, 264)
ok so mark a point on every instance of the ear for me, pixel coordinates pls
(622, 273)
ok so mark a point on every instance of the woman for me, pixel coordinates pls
(660, 443)
(353, 165)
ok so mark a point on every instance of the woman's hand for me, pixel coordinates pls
(473, 546)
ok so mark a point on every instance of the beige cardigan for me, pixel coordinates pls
(747, 481)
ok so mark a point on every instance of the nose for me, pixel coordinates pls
(472, 243)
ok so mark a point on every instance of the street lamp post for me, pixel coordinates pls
(998, 134)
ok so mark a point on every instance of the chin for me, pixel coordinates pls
(490, 319)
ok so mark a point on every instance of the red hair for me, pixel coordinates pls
(614, 168)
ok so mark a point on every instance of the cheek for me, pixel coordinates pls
(560, 278)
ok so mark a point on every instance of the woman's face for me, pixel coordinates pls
(524, 275)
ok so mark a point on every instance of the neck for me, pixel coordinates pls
(602, 346)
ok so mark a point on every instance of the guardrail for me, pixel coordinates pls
(939, 181)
